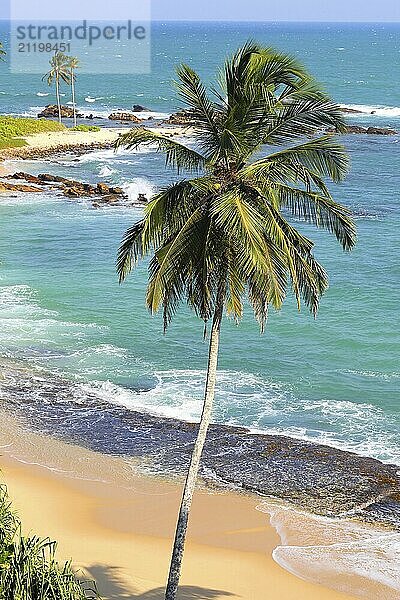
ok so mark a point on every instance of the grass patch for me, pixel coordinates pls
(11, 127)
(12, 143)
(86, 128)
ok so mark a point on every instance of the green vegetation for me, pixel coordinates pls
(28, 566)
(12, 143)
(85, 128)
(229, 234)
(13, 127)
(20, 126)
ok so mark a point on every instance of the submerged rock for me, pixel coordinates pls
(318, 478)
(124, 116)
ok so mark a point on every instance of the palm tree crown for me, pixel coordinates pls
(225, 232)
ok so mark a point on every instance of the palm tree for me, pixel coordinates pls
(225, 234)
(59, 72)
(73, 64)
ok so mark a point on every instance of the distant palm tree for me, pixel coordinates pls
(73, 64)
(59, 72)
(226, 233)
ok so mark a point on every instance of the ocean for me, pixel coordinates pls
(63, 316)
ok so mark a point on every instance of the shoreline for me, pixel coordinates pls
(118, 525)
(44, 145)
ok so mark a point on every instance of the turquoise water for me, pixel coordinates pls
(333, 380)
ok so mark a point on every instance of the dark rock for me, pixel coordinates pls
(124, 116)
(110, 198)
(26, 177)
(51, 110)
(355, 129)
(18, 187)
(103, 188)
(139, 108)
(368, 130)
(52, 178)
(73, 192)
(69, 187)
(142, 199)
(345, 109)
(381, 131)
(183, 117)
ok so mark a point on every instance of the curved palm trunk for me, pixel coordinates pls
(190, 484)
(58, 99)
(73, 97)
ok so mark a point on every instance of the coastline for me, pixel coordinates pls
(118, 525)
(43, 145)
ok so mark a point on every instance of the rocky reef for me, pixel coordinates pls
(320, 479)
(101, 192)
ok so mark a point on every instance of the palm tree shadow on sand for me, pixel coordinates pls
(111, 587)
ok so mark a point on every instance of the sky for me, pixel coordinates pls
(278, 10)
(237, 10)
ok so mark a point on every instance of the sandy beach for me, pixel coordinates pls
(40, 145)
(118, 525)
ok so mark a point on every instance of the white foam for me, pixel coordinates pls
(25, 322)
(375, 110)
(345, 555)
(140, 185)
(105, 171)
(266, 406)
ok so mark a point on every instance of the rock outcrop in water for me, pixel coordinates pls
(124, 116)
(19, 187)
(102, 192)
(183, 117)
(51, 111)
(370, 130)
(321, 479)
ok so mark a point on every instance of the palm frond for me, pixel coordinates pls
(324, 157)
(302, 115)
(321, 211)
(257, 258)
(177, 155)
(130, 250)
(205, 113)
